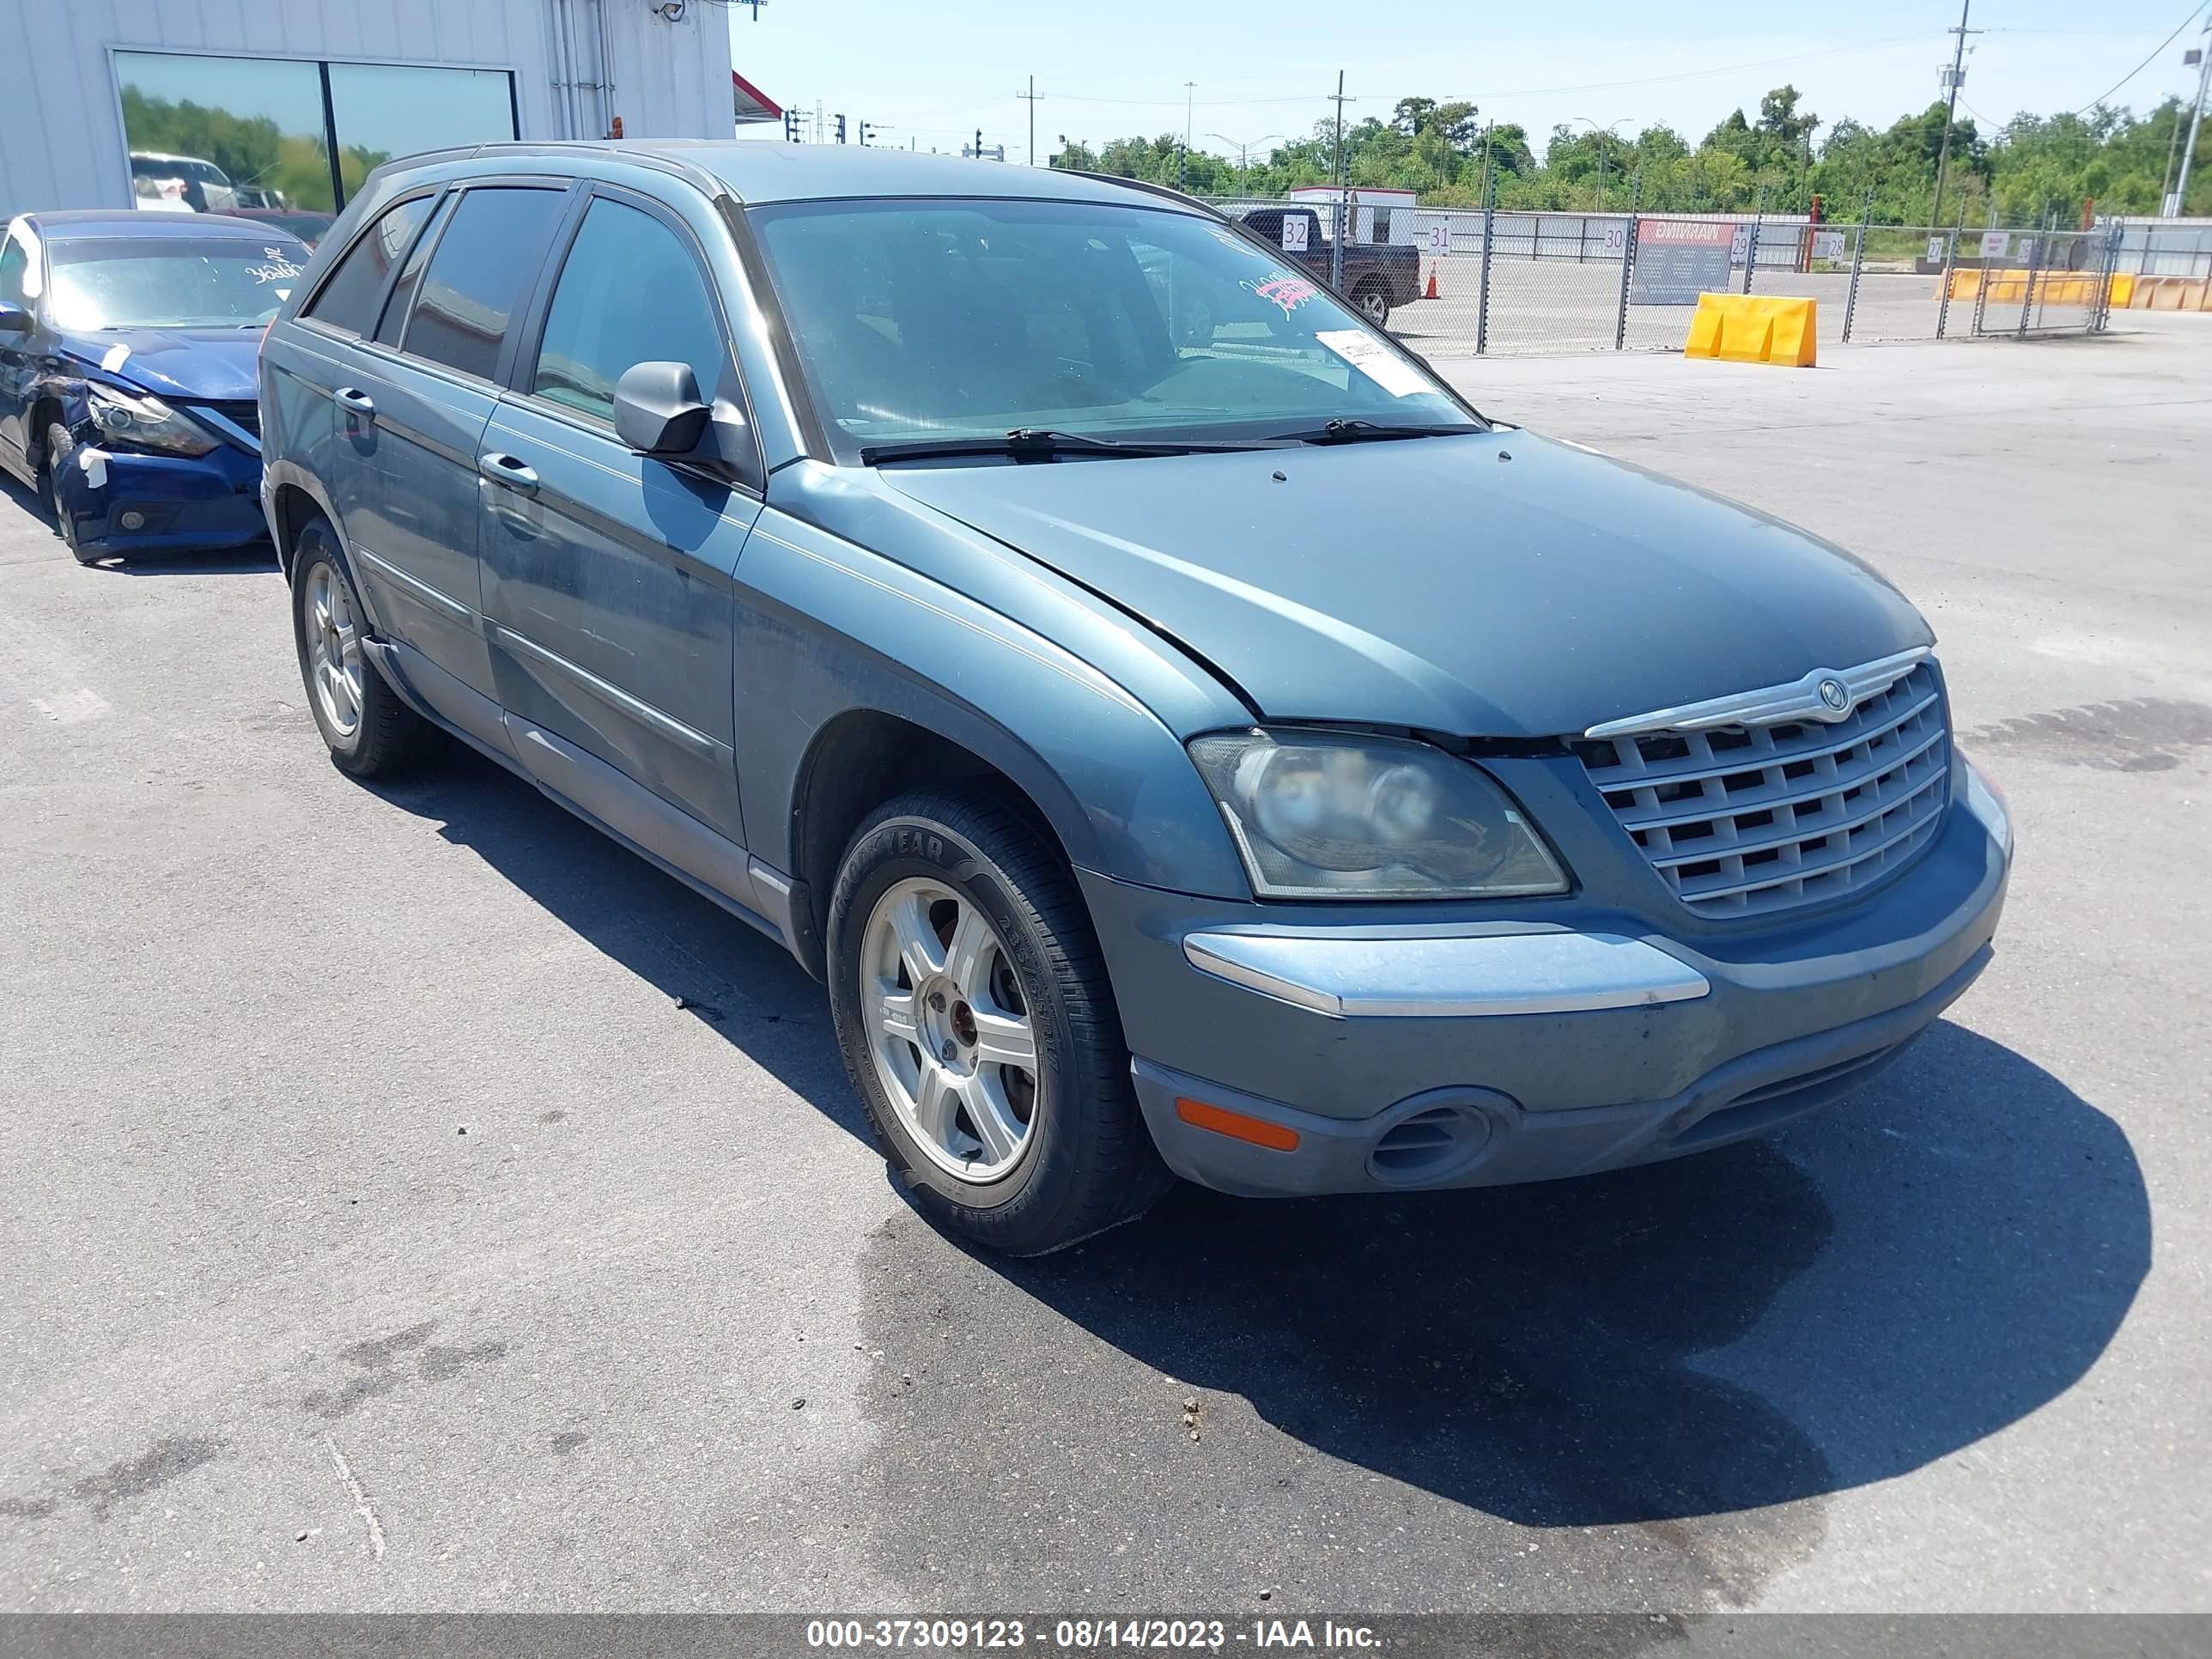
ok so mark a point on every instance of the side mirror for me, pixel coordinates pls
(659, 410)
(13, 319)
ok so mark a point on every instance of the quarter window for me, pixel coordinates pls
(349, 299)
(485, 260)
(629, 293)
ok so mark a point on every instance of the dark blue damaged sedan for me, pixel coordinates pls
(1186, 736)
(127, 380)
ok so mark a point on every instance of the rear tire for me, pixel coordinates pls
(957, 940)
(1374, 302)
(369, 731)
(59, 451)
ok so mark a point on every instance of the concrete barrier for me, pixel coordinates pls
(2056, 287)
(1754, 328)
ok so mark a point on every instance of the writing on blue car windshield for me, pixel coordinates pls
(935, 319)
(170, 281)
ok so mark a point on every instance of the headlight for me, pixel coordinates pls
(147, 421)
(1319, 815)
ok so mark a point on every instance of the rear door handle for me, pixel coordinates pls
(504, 469)
(354, 401)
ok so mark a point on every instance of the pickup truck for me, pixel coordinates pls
(1377, 275)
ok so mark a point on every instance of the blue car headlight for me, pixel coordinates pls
(146, 421)
(1338, 816)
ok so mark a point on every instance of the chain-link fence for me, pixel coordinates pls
(1467, 280)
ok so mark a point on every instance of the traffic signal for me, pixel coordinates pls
(791, 126)
(841, 129)
(868, 131)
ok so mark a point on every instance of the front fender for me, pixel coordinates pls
(829, 627)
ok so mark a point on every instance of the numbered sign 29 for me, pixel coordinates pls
(1294, 232)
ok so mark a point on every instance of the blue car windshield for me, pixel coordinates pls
(936, 318)
(170, 281)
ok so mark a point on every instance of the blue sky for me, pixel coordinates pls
(932, 73)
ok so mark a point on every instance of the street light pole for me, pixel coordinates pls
(1244, 148)
(2188, 152)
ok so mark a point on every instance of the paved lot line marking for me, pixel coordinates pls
(360, 1498)
(72, 707)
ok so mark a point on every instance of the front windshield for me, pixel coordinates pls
(170, 281)
(934, 319)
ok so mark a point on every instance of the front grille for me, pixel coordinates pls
(1749, 820)
(246, 416)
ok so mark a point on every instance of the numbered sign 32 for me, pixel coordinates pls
(1294, 232)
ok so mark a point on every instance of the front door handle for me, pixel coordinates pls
(354, 401)
(504, 469)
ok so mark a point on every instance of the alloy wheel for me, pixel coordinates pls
(334, 657)
(949, 1029)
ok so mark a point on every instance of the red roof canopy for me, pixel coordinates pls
(753, 104)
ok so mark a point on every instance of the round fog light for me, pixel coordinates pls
(133, 521)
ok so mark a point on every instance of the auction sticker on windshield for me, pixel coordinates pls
(1373, 359)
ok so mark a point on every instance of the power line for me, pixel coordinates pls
(1585, 86)
(2145, 63)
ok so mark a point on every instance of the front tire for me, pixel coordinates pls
(979, 1027)
(369, 731)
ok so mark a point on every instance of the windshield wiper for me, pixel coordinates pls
(1044, 442)
(1356, 431)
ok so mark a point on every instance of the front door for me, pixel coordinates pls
(609, 575)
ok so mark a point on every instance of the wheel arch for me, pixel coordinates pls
(864, 756)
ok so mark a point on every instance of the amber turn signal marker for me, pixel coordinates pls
(1236, 1125)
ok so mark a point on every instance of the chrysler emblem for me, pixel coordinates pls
(1835, 694)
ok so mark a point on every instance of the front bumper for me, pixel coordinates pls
(204, 502)
(1367, 1056)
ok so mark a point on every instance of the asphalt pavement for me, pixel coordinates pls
(413, 1200)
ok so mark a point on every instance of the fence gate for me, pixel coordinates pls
(2028, 285)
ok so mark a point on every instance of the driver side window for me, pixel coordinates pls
(630, 292)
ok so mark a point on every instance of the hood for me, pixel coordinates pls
(200, 365)
(1434, 583)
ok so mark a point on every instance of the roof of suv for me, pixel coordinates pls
(762, 171)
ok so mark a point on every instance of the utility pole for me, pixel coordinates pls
(1336, 248)
(2197, 121)
(1953, 78)
(1029, 98)
(1182, 160)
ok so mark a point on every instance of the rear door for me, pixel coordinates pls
(609, 575)
(418, 534)
(320, 379)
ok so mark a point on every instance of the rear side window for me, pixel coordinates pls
(410, 278)
(629, 293)
(349, 299)
(484, 262)
(14, 266)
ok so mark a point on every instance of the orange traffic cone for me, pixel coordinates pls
(1431, 292)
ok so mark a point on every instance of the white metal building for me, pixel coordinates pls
(280, 106)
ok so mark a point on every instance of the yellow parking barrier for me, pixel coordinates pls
(1747, 328)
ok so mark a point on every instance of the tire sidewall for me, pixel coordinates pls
(314, 549)
(908, 845)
